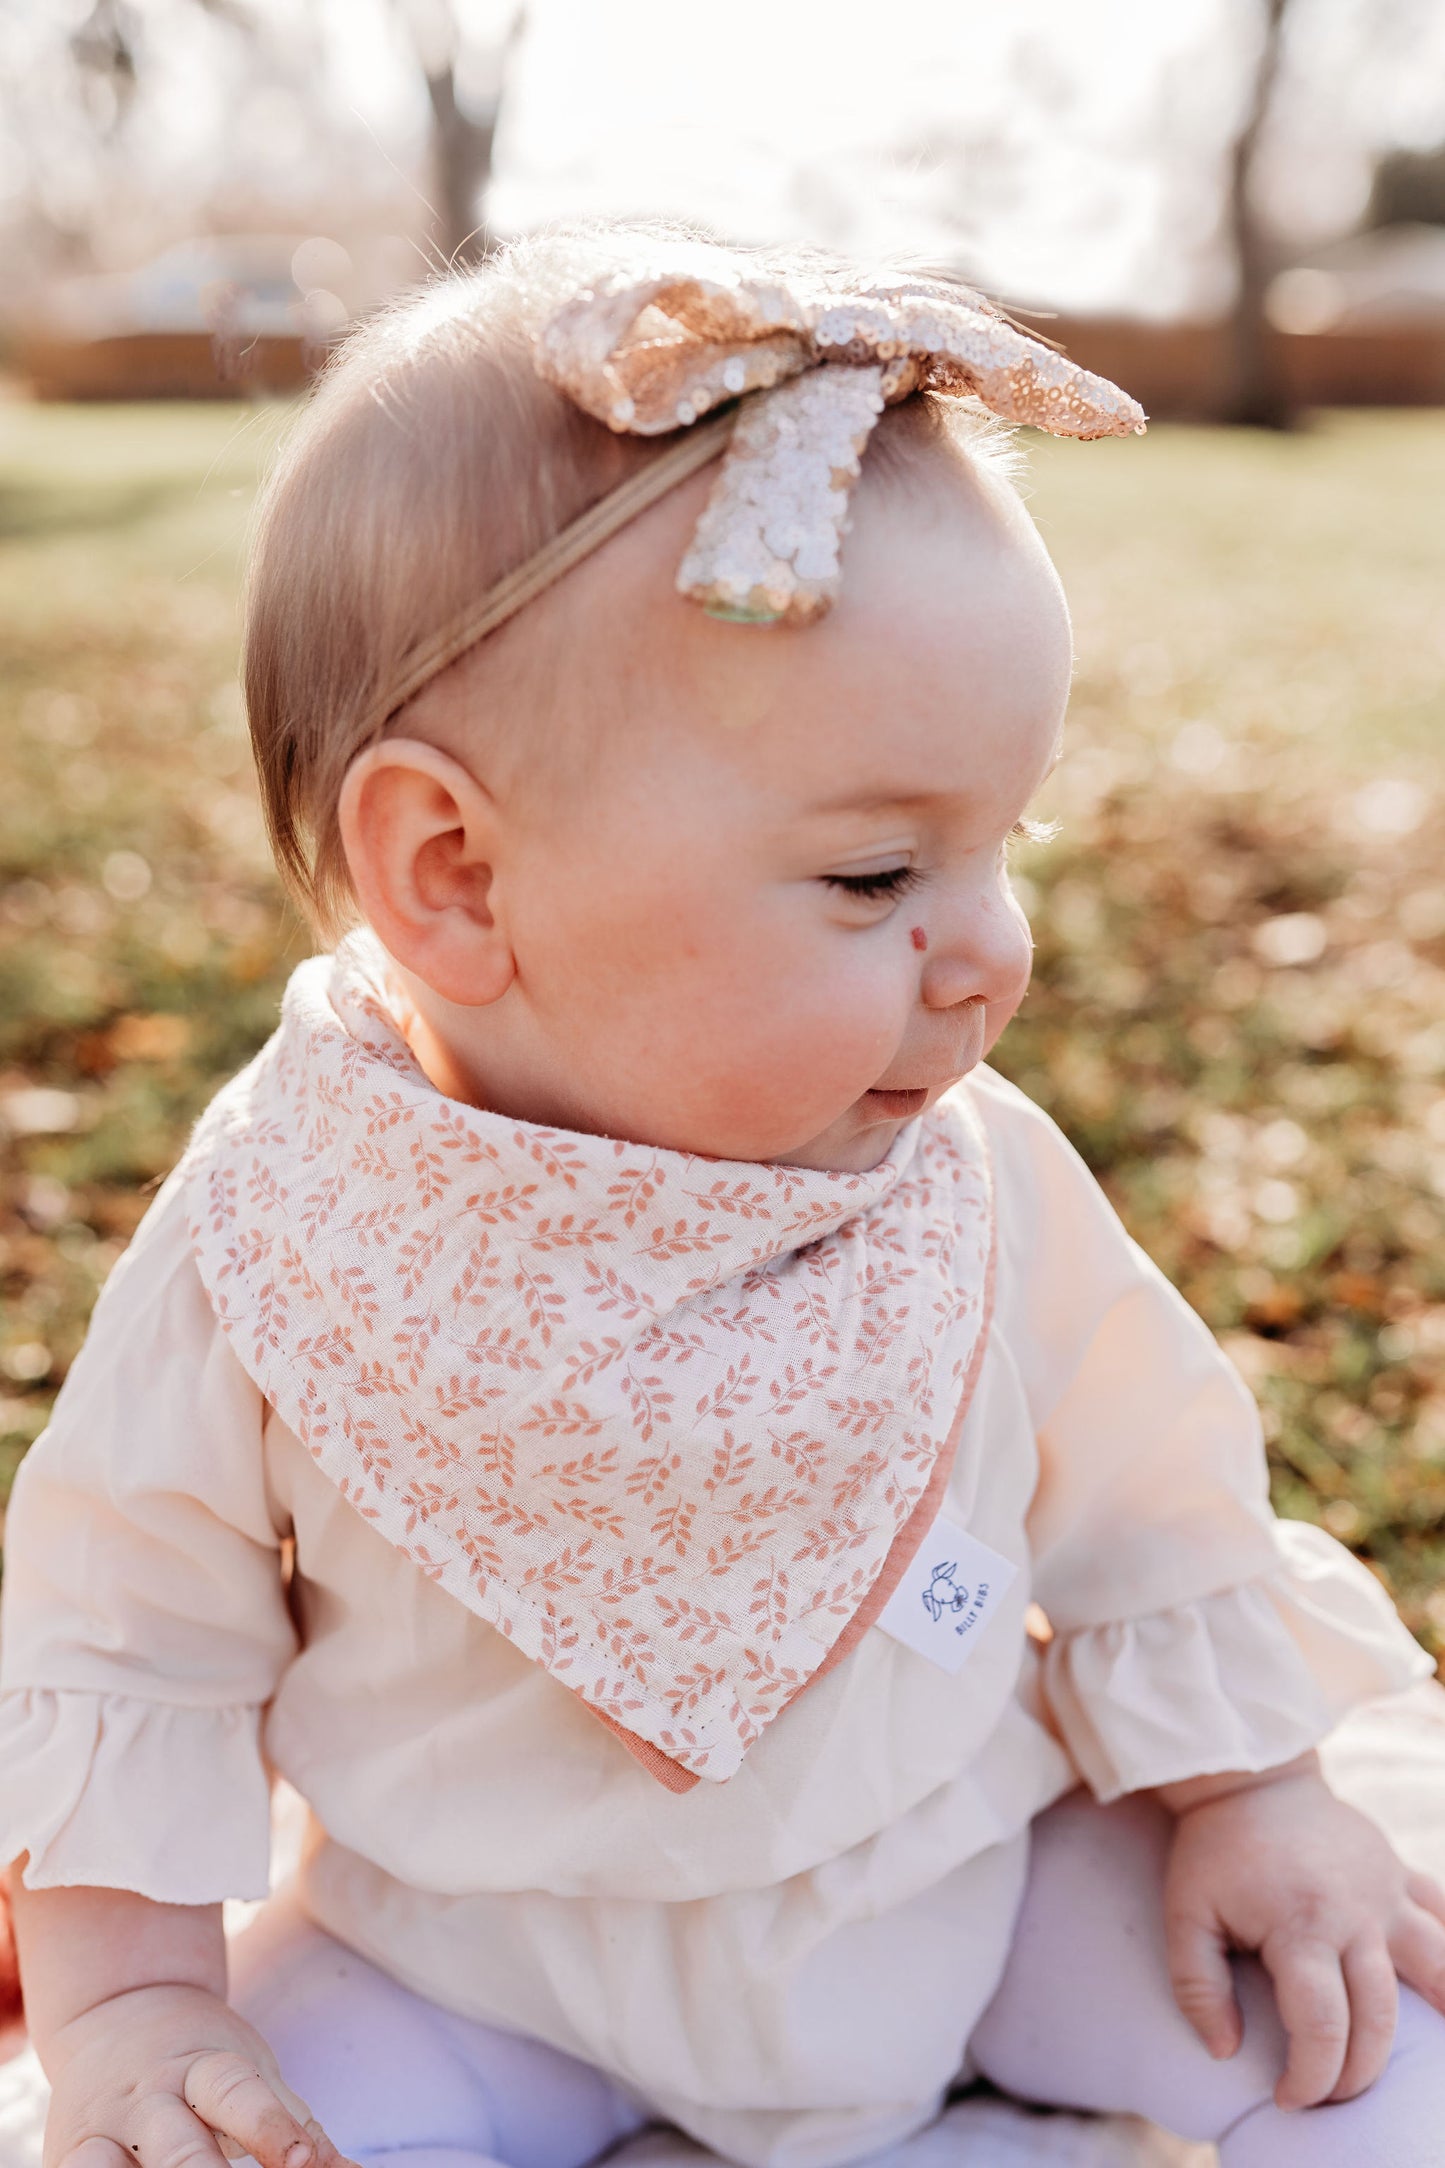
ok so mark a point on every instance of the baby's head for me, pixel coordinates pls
(725, 888)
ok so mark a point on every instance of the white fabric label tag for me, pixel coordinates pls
(951, 1589)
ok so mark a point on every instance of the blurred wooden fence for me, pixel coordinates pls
(1177, 371)
(1181, 371)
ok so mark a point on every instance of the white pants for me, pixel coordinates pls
(1084, 2018)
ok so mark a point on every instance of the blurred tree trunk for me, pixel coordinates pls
(462, 150)
(1257, 393)
(461, 139)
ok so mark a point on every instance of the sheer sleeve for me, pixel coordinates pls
(1192, 1630)
(143, 1618)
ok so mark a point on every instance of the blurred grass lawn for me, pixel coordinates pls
(1237, 1011)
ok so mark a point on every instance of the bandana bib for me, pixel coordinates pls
(674, 1426)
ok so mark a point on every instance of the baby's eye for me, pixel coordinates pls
(873, 887)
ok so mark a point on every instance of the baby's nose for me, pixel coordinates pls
(985, 958)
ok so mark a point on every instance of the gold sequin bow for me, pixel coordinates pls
(821, 354)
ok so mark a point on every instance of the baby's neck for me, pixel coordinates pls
(512, 1078)
(437, 1060)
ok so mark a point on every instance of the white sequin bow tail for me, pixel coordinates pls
(816, 355)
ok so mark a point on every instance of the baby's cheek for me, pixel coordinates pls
(773, 1077)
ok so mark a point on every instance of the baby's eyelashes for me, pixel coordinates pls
(887, 883)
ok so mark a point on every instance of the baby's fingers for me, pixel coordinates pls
(1424, 1891)
(97, 2153)
(231, 2096)
(1203, 1983)
(1418, 1949)
(1314, 2008)
(1374, 2003)
(167, 2135)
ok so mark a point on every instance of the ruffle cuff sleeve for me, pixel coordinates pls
(1243, 1679)
(120, 1792)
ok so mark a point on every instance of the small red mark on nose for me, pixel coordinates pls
(919, 938)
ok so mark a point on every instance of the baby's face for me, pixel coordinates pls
(774, 921)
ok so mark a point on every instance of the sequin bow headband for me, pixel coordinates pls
(811, 358)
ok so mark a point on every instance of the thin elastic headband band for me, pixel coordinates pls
(693, 449)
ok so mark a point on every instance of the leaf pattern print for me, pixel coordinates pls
(380, 1224)
(507, 1349)
(672, 1526)
(859, 1418)
(369, 1161)
(428, 1174)
(650, 1477)
(263, 1190)
(456, 1397)
(589, 1359)
(508, 1206)
(568, 1232)
(649, 1400)
(562, 1418)
(691, 1688)
(595, 1513)
(328, 1349)
(496, 1457)
(632, 1192)
(682, 1239)
(544, 1303)
(387, 1112)
(220, 1199)
(609, 1291)
(732, 1461)
(744, 1199)
(733, 1391)
(450, 1132)
(693, 1621)
(829, 1539)
(617, 1584)
(411, 1342)
(587, 1468)
(424, 1501)
(324, 1199)
(801, 1452)
(415, 1257)
(659, 1420)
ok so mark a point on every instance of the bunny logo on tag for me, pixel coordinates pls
(951, 1589)
(943, 1592)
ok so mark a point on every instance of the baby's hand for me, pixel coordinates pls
(171, 2077)
(1278, 1865)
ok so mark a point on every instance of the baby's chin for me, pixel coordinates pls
(862, 1138)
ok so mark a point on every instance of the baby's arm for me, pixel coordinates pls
(1200, 1647)
(145, 1631)
(1274, 1862)
(125, 2001)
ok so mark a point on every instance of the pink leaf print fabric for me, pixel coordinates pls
(668, 1423)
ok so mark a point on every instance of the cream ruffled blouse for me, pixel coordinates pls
(788, 1963)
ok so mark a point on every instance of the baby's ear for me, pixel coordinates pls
(422, 839)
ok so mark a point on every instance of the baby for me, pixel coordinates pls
(769, 1597)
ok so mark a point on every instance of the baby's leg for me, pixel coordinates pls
(395, 2079)
(1085, 2017)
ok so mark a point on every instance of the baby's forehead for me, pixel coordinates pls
(940, 675)
(927, 502)
(611, 677)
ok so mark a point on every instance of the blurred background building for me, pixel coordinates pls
(1236, 206)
